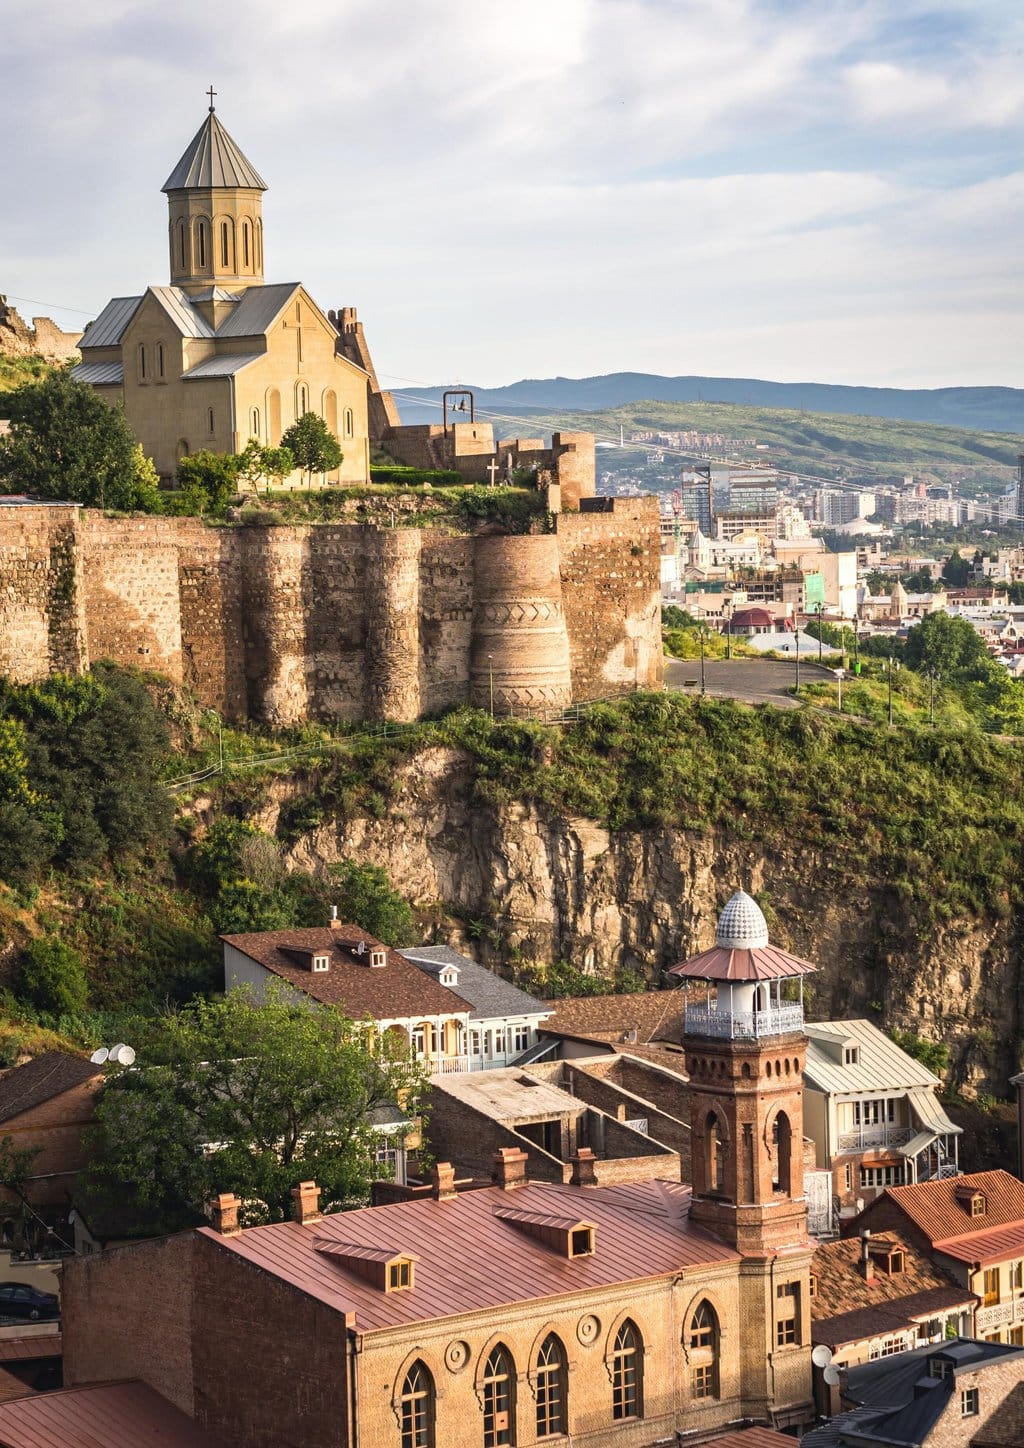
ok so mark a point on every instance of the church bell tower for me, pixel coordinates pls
(215, 225)
(745, 1052)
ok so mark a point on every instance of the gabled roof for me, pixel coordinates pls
(488, 994)
(116, 1415)
(258, 310)
(223, 366)
(178, 305)
(469, 1260)
(108, 328)
(654, 1015)
(842, 1286)
(937, 1211)
(212, 158)
(396, 990)
(41, 1080)
(99, 374)
(880, 1066)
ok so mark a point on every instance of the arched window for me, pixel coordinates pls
(551, 1385)
(782, 1149)
(703, 1334)
(224, 244)
(416, 1407)
(331, 411)
(714, 1148)
(259, 246)
(160, 359)
(499, 1407)
(142, 363)
(301, 400)
(201, 243)
(254, 422)
(627, 1373)
(245, 245)
(349, 423)
(273, 416)
(181, 244)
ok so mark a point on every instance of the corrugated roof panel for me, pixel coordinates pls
(489, 994)
(880, 1066)
(212, 158)
(998, 1245)
(221, 366)
(108, 328)
(258, 309)
(112, 1415)
(178, 306)
(641, 1233)
(99, 374)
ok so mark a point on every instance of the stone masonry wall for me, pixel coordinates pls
(345, 621)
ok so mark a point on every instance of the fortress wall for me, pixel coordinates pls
(392, 622)
(610, 563)
(210, 600)
(42, 626)
(275, 608)
(520, 653)
(573, 456)
(446, 620)
(129, 582)
(335, 587)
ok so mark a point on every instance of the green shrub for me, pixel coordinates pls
(51, 977)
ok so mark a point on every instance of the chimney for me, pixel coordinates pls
(442, 1182)
(335, 922)
(306, 1200)
(509, 1170)
(224, 1214)
(584, 1168)
(867, 1268)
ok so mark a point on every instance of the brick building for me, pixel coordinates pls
(47, 1105)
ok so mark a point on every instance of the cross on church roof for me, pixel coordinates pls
(211, 93)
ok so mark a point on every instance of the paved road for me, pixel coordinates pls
(755, 681)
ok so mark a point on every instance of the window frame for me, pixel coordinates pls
(417, 1400)
(551, 1381)
(497, 1392)
(970, 1403)
(627, 1373)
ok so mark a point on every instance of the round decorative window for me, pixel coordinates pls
(587, 1329)
(456, 1356)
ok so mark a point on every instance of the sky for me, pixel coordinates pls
(827, 191)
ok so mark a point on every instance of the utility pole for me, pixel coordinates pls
(490, 680)
(798, 661)
(700, 633)
(819, 633)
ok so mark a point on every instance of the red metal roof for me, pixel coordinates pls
(937, 1209)
(999, 1244)
(24, 1349)
(766, 962)
(110, 1415)
(469, 1260)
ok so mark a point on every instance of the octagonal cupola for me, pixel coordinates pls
(746, 976)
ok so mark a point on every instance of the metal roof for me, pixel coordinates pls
(116, 1415)
(221, 366)
(880, 1066)
(488, 994)
(189, 321)
(98, 374)
(212, 158)
(941, 1209)
(471, 1261)
(762, 963)
(108, 328)
(999, 1244)
(258, 309)
(506, 1094)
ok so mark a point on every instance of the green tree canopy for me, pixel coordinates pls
(52, 977)
(257, 462)
(951, 647)
(236, 1096)
(312, 444)
(956, 570)
(66, 442)
(206, 481)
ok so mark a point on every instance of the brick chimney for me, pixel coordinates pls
(509, 1170)
(224, 1214)
(442, 1182)
(584, 1168)
(867, 1267)
(306, 1203)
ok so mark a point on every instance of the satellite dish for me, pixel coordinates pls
(98, 1057)
(123, 1055)
(831, 1375)
(821, 1356)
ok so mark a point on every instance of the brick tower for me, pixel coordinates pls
(745, 1051)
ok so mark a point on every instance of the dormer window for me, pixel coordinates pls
(449, 976)
(567, 1236)
(973, 1201)
(399, 1275)
(321, 962)
(582, 1242)
(979, 1206)
(851, 1055)
(378, 958)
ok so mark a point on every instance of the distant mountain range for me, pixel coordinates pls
(999, 409)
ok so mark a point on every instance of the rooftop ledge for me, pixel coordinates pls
(743, 1025)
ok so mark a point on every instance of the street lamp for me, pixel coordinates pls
(700, 635)
(728, 630)
(840, 673)
(490, 681)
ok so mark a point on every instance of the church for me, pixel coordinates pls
(219, 356)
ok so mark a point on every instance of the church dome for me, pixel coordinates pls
(741, 925)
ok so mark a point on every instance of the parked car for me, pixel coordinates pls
(17, 1299)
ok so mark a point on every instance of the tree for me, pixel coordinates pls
(948, 646)
(312, 445)
(237, 1096)
(956, 570)
(257, 461)
(66, 442)
(365, 896)
(52, 978)
(206, 480)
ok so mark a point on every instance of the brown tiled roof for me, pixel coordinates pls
(888, 1317)
(935, 1208)
(116, 1415)
(655, 1015)
(765, 962)
(842, 1288)
(397, 989)
(469, 1260)
(40, 1080)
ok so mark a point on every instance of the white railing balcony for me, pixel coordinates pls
(446, 1065)
(863, 1137)
(743, 1025)
(1002, 1314)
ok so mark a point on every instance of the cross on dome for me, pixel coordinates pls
(211, 93)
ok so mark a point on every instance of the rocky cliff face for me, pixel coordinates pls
(547, 886)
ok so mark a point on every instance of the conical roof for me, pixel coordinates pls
(742, 950)
(213, 159)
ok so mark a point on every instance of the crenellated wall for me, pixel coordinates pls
(338, 621)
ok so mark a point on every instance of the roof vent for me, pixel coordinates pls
(741, 925)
